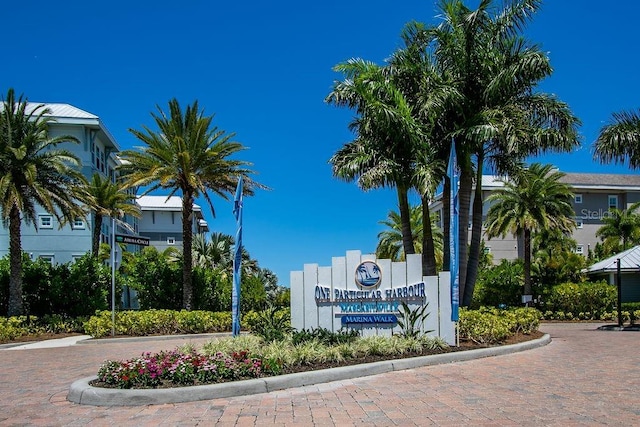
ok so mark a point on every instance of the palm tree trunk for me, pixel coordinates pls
(464, 197)
(405, 218)
(527, 261)
(95, 239)
(428, 249)
(476, 237)
(446, 225)
(187, 256)
(15, 260)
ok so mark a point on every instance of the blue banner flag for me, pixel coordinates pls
(453, 173)
(237, 261)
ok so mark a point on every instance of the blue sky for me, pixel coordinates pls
(264, 69)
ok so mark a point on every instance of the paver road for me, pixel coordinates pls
(583, 377)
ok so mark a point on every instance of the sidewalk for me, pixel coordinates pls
(583, 377)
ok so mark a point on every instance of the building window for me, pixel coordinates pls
(47, 258)
(78, 224)
(578, 198)
(171, 240)
(580, 249)
(153, 217)
(76, 257)
(613, 202)
(45, 221)
(579, 223)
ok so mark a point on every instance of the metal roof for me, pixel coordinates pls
(629, 261)
(60, 111)
(68, 114)
(162, 203)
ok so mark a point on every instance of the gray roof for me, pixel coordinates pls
(629, 262)
(601, 180)
(162, 203)
(61, 111)
(68, 114)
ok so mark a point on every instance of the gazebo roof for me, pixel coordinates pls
(629, 262)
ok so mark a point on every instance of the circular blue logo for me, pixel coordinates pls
(368, 274)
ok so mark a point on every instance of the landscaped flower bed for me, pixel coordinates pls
(181, 368)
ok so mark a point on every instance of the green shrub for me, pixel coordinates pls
(271, 324)
(69, 290)
(499, 284)
(574, 298)
(157, 281)
(151, 322)
(492, 325)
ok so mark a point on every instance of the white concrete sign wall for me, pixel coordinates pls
(361, 292)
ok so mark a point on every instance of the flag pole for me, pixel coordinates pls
(237, 262)
(454, 266)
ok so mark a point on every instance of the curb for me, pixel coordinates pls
(81, 392)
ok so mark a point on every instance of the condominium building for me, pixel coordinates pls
(96, 150)
(161, 221)
(594, 193)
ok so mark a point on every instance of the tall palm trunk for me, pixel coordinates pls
(15, 260)
(464, 198)
(428, 248)
(405, 219)
(476, 237)
(95, 239)
(187, 244)
(527, 261)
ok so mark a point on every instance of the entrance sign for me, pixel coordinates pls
(132, 240)
(364, 293)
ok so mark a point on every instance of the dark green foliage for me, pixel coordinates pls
(157, 281)
(211, 290)
(596, 298)
(69, 290)
(499, 284)
(325, 336)
(253, 294)
(272, 324)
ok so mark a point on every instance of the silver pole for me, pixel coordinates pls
(113, 277)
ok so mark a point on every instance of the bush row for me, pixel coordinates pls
(157, 322)
(15, 327)
(492, 325)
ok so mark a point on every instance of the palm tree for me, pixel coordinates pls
(381, 153)
(187, 155)
(390, 240)
(619, 141)
(498, 119)
(532, 200)
(106, 199)
(621, 224)
(33, 172)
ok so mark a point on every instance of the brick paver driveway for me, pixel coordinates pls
(584, 377)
